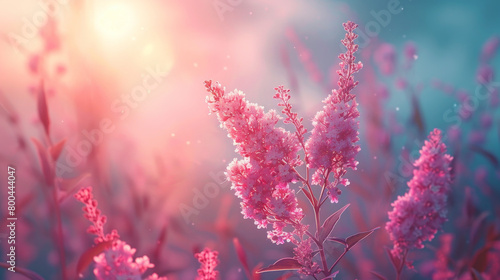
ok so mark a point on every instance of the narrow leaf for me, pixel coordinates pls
(394, 259)
(43, 112)
(470, 208)
(308, 195)
(283, 264)
(417, 114)
(487, 154)
(477, 226)
(330, 223)
(241, 255)
(338, 240)
(162, 238)
(70, 186)
(255, 272)
(45, 163)
(476, 275)
(88, 256)
(480, 260)
(55, 151)
(379, 276)
(7, 109)
(354, 239)
(333, 275)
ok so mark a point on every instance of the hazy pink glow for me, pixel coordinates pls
(110, 94)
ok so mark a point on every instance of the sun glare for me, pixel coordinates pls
(114, 21)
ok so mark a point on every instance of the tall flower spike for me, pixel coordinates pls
(332, 146)
(93, 214)
(421, 212)
(261, 179)
(208, 260)
(117, 262)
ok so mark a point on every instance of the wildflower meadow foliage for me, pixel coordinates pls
(376, 155)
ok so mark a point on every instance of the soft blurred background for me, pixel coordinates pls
(123, 82)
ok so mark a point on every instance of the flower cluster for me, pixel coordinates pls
(304, 255)
(261, 179)
(115, 263)
(118, 263)
(332, 146)
(420, 213)
(209, 262)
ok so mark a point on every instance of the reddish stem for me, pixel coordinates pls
(400, 268)
(60, 235)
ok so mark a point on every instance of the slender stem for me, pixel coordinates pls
(57, 210)
(297, 173)
(325, 183)
(337, 261)
(312, 237)
(321, 194)
(60, 235)
(323, 201)
(323, 260)
(319, 243)
(400, 268)
(316, 217)
(315, 201)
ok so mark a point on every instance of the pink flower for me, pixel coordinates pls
(269, 153)
(454, 133)
(420, 213)
(410, 51)
(489, 49)
(115, 263)
(485, 74)
(209, 262)
(442, 271)
(332, 146)
(385, 57)
(486, 120)
(304, 255)
(93, 214)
